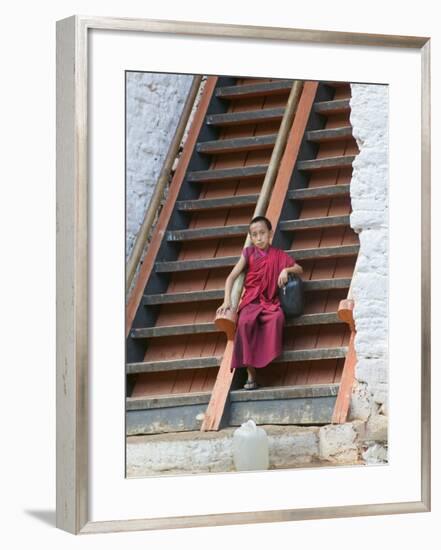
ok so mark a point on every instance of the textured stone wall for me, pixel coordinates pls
(369, 218)
(201, 452)
(154, 103)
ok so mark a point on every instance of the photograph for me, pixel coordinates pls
(257, 274)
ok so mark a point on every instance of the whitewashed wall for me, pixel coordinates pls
(369, 218)
(154, 103)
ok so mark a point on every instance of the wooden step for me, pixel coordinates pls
(284, 392)
(245, 117)
(254, 90)
(326, 163)
(303, 405)
(169, 400)
(173, 365)
(239, 230)
(314, 223)
(221, 146)
(327, 191)
(165, 413)
(173, 330)
(236, 201)
(315, 354)
(182, 297)
(334, 84)
(333, 107)
(207, 328)
(207, 233)
(230, 261)
(218, 294)
(329, 134)
(226, 174)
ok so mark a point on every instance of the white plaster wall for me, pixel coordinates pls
(369, 218)
(154, 103)
(288, 447)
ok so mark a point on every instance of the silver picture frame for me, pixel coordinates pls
(72, 491)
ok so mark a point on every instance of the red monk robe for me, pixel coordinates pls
(259, 332)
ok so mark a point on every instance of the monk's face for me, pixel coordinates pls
(260, 235)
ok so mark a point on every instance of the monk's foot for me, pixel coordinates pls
(250, 385)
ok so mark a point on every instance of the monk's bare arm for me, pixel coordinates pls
(283, 276)
(236, 271)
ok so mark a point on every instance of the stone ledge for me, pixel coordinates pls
(211, 452)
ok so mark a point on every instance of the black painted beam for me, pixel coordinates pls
(225, 174)
(236, 201)
(314, 223)
(327, 191)
(230, 261)
(326, 163)
(245, 117)
(237, 145)
(254, 90)
(333, 107)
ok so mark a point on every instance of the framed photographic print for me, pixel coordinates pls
(243, 274)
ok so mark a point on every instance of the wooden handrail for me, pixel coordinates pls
(227, 322)
(342, 403)
(164, 176)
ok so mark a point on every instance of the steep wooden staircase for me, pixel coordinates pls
(177, 361)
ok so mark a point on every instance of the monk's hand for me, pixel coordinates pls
(283, 278)
(221, 310)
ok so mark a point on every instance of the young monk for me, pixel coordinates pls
(258, 338)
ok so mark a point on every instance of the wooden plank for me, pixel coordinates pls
(230, 261)
(192, 265)
(173, 330)
(218, 294)
(300, 411)
(170, 365)
(205, 362)
(207, 328)
(166, 414)
(326, 284)
(216, 406)
(245, 117)
(345, 312)
(313, 319)
(334, 84)
(332, 107)
(207, 233)
(222, 146)
(168, 420)
(183, 297)
(166, 212)
(254, 90)
(343, 401)
(325, 252)
(213, 175)
(162, 401)
(326, 163)
(285, 392)
(314, 354)
(236, 201)
(314, 223)
(329, 134)
(326, 191)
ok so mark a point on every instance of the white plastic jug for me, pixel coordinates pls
(250, 447)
